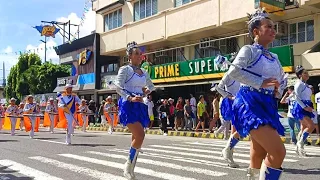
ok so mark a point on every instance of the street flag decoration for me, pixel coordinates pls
(47, 30)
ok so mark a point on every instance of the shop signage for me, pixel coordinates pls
(271, 6)
(48, 31)
(66, 80)
(84, 57)
(205, 68)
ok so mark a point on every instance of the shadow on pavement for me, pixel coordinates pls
(92, 145)
(85, 135)
(5, 174)
(302, 171)
(22, 135)
(8, 140)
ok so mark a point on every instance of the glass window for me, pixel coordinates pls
(145, 8)
(301, 32)
(310, 30)
(113, 20)
(178, 3)
(293, 33)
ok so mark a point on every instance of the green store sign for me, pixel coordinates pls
(206, 68)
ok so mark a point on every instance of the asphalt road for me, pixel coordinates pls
(97, 155)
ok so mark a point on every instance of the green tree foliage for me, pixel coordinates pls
(30, 76)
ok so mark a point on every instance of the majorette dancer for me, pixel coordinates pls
(20, 113)
(84, 110)
(133, 113)
(302, 107)
(255, 107)
(1, 116)
(67, 101)
(12, 112)
(30, 111)
(52, 110)
(228, 88)
(109, 108)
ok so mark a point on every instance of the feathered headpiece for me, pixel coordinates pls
(299, 68)
(131, 46)
(259, 15)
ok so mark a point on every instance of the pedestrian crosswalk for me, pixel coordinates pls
(188, 160)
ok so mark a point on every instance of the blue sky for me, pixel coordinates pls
(17, 17)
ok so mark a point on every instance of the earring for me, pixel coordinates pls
(256, 39)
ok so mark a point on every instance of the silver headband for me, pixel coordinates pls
(131, 46)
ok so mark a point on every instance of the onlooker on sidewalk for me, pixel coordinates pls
(193, 104)
(188, 115)
(179, 114)
(215, 109)
(148, 101)
(201, 110)
(172, 115)
(287, 99)
(92, 107)
(163, 116)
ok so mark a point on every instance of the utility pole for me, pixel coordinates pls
(45, 48)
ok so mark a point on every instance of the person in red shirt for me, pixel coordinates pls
(180, 114)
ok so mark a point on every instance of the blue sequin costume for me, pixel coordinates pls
(302, 100)
(255, 106)
(129, 83)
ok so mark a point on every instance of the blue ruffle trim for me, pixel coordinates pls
(226, 109)
(131, 112)
(253, 109)
(299, 113)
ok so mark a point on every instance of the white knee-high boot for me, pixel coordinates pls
(32, 121)
(253, 174)
(13, 122)
(51, 123)
(227, 152)
(131, 163)
(268, 173)
(84, 123)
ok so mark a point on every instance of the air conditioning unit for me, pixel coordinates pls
(161, 52)
(206, 43)
(291, 4)
(281, 29)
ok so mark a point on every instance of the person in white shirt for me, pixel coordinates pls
(317, 122)
(289, 99)
(148, 101)
(193, 104)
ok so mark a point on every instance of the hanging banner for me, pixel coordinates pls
(47, 30)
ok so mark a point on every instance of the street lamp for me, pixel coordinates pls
(45, 48)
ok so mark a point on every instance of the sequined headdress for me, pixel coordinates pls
(299, 68)
(257, 16)
(131, 46)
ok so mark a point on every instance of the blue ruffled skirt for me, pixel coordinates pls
(131, 112)
(299, 113)
(253, 108)
(226, 109)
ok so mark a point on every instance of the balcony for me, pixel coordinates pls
(232, 10)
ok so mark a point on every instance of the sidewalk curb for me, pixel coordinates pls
(285, 140)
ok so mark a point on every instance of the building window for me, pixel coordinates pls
(298, 32)
(209, 48)
(169, 56)
(178, 3)
(109, 68)
(145, 8)
(113, 20)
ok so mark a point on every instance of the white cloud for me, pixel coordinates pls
(10, 59)
(8, 50)
(87, 26)
(40, 50)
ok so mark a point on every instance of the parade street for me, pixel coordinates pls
(98, 155)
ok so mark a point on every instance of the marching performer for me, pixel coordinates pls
(302, 107)
(68, 101)
(133, 113)
(1, 116)
(109, 108)
(255, 107)
(51, 109)
(83, 110)
(228, 88)
(30, 111)
(12, 111)
(20, 113)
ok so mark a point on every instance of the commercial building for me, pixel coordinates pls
(181, 37)
(91, 73)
